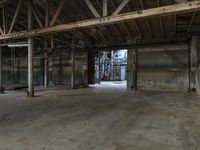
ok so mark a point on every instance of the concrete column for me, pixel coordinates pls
(46, 66)
(1, 84)
(91, 67)
(60, 69)
(30, 56)
(194, 62)
(132, 70)
(73, 68)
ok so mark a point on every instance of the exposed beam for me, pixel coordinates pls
(35, 14)
(147, 20)
(47, 13)
(105, 8)
(174, 25)
(4, 17)
(120, 7)
(61, 4)
(15, 16)
(92, 9)
(160, 20)
(154, 12)
(1, 31)
(191, 22)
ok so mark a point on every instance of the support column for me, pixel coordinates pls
(132, 70)
(194, 62)
(1, 84)
(30, 56)
(46, 66)
(91, 67)
(73, 68)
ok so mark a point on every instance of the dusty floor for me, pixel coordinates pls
(103, 118)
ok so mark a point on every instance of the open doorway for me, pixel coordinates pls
(111, 67)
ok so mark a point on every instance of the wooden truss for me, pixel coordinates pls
(104, 19)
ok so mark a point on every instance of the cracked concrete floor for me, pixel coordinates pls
(106, 117)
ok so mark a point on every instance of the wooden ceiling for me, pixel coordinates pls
(163, 28)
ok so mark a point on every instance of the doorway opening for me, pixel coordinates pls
(111, 67)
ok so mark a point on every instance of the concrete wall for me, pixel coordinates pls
(59, 70)
(163, 67)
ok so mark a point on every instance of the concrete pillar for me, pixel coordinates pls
(99, 65)
(1, 84)
(46, 66)
(30, 55)
(73, 68)
(132, 70)
(194, 61)
(60, 69)
(91, 67)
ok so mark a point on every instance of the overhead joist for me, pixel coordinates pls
(154, 12)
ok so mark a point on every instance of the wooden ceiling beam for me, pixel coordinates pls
(1, 31)
(120, 7)
(153, 12)
(147, 20)
(191, 22)
(35, 14)
(55, 17)
(92, 9)
(105, 8)
(15, 16)
(160, 20)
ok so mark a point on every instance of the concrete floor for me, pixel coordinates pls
(105, 117)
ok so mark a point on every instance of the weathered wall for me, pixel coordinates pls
(15, 74)
(163, 67)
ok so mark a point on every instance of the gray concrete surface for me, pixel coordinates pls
(105, 117)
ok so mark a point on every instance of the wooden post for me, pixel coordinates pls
(30, 55)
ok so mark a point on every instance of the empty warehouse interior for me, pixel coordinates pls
(99, 74)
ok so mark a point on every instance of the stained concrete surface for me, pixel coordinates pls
(104, 117)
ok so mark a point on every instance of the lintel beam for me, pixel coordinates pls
(153, 12)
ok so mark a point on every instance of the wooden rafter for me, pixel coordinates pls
(15, 16)
(160, 20)
(92, 9)
(120, 7)
(105, 8)
(191, 22)
(1, 31)
(35, 14)
(61, 4)
(4, 17)
(154, 12)
(46, 13)
(147, 20)
(174, 25)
